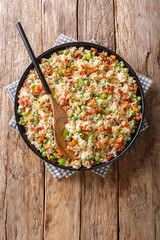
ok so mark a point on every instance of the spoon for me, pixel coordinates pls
(60, 117)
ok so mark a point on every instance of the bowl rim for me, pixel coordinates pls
(47, 53)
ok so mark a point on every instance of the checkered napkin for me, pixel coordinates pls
(57, 172)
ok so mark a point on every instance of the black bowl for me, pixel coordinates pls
(86, 45)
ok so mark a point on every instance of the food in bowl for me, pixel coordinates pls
(99, 97)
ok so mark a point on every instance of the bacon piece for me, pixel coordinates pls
(23, 102)
(120, 91)
(126, 97)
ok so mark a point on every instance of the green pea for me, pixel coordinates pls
(106, 136)
(83, 107)
(87, 82)
(81, 82)
(76, 85)
(38, 101)
(88, 158)
(23, 113)
(21, 121)
(34, 122)
(93, 53)
(49, 111)
(116, 112)
(72, 63)
(129, 139)
(50, 60)
(44, 154)
(105, 110)
(68, 140)
(47, 100)
(97, 72)
(139, 98)
(65, 132)
(60, 52)
(106, 80)
(133, 130)
(51, 157)
(79, 116)
(56, 82)
(42, 150)
(99, 115)
(44, 109)
(65, 52)
(97, 158)
(61, 161)
(79, 130)
(70, 116)
(126, 70)
(97, 162)
(98, 150)
(86, 56)
(82, 53)
(121, 132)
(59, 71)
(122, 64)
(54, 66)
(73, 118)
(81, 135)
(33, 85)
(91, 137)
(103, 96)
(132, 97)
(60, 80)
(132, 113)
(70, 135)
(86, 138)
(53, 93)
(45, 140)
(55, 155)
(51, 130)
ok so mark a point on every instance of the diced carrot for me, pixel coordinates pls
(111, 141)
(113, 57)
(42, 135)
(91, 103)
(73, 143)
(59, 153)
(37, 87)
(137, 118)
(105, 141)
(135, 88)
(39, 116)
(39, 140)
(99, 145)
(120, 139)
(125, 124)
(135, 108)
(101, 129)
(41, 103)
(94, 49)
(76, 54)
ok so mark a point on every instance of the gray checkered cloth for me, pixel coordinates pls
(57, 172)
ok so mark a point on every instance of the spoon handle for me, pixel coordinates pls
(33, 58)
